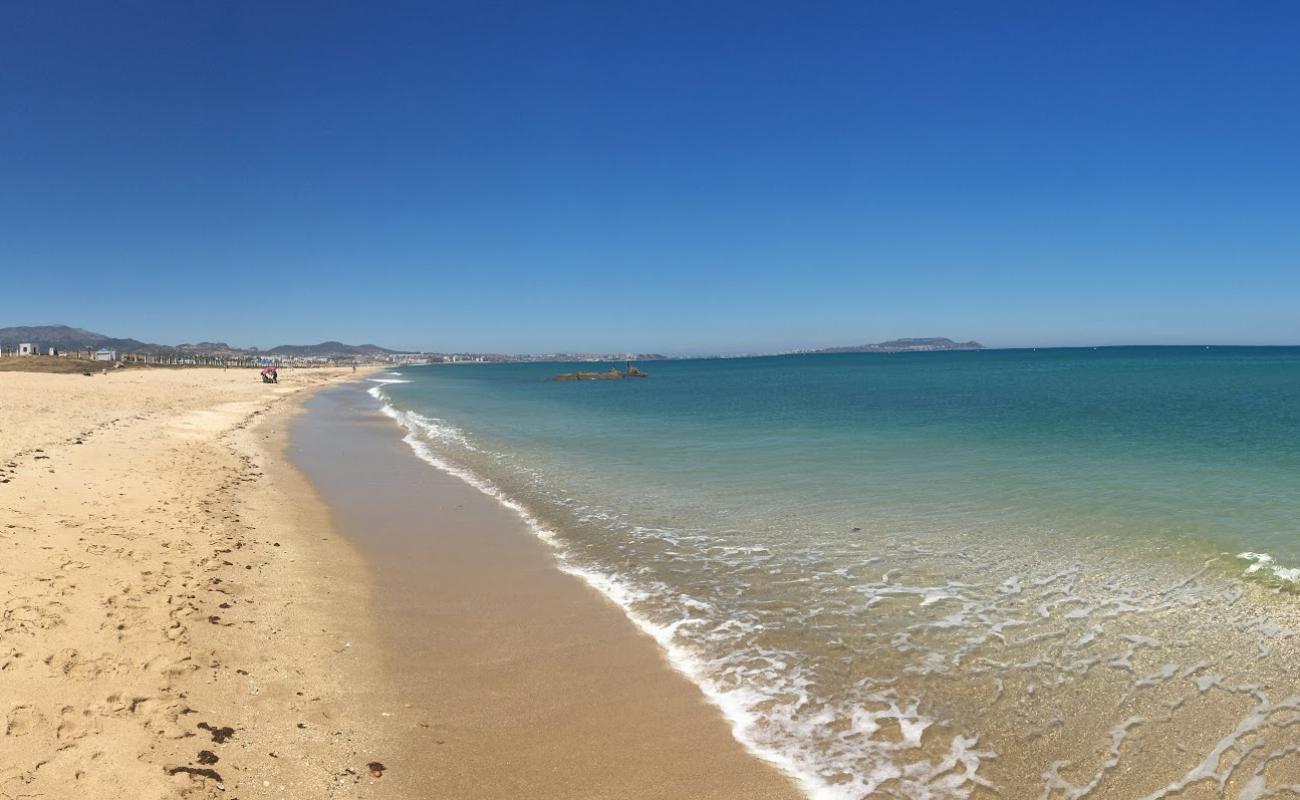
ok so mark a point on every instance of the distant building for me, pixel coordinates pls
(104, 354)
(54, 351)
(28, 349)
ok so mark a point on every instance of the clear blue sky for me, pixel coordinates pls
(652, 176)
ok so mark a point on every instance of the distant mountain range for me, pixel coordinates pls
(329, 349)
(903, 346)
(69, 339)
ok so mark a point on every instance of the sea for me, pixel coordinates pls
(1002, 573)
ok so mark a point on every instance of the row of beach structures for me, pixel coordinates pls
(25, 349)
(28, 349)
(197, 360)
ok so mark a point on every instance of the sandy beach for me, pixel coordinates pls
(180, 617)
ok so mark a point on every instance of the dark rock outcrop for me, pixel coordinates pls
(614, 374)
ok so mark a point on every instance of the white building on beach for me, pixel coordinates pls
(104, 354)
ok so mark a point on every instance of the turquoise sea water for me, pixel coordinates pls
(837, 547)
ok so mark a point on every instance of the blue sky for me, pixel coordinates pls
(687, 177)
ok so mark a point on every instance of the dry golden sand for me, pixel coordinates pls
(164, 576)
(179, 619)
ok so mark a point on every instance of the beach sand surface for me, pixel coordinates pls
(177, 618)
(180, 616)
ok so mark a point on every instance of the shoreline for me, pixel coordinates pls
(179, 620)
(527, 648)
(613, 590)
(1093, 640)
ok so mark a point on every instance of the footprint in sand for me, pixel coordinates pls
(74, 724)
(22, 720)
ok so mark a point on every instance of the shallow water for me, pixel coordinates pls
(1058, 573)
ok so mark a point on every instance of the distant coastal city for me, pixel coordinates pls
(63, 341)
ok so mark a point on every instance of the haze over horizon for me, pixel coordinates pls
(677, 178)
(614, 351)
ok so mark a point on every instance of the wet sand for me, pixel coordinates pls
(513, 678)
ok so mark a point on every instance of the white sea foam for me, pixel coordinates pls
(1263, 562)
(436, 429)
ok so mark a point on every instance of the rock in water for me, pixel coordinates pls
(613, 374)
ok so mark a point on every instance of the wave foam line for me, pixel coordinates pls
(1264, 561)
(730, 703)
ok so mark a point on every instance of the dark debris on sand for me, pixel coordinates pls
(219, 735)
(211, 774)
